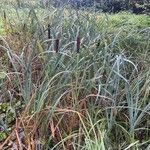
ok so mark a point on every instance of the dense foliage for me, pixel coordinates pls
(136, 6)
(73, 79)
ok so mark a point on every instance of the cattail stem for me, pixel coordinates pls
(57, 45)
(78, 44)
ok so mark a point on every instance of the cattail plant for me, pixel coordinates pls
(78, 43)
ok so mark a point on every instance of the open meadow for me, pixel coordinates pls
(73, 79)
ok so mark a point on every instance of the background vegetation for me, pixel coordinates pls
(73, 79)
(135, 6)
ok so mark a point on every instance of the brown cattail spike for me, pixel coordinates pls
(24, 27)
(56, 45)
(4, 15)
(49, 32)
(78, 44)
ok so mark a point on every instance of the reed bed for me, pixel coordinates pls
(74, 80)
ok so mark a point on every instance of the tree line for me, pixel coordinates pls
(135, 6)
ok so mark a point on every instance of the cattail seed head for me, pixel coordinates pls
(49, 32)
(4, 15)
(57, 45)
(24, 27)
(78, 44)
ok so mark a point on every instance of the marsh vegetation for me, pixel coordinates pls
(73, 79)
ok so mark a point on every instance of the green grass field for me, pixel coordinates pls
(74, 80)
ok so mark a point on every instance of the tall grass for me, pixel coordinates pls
(92, 94)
